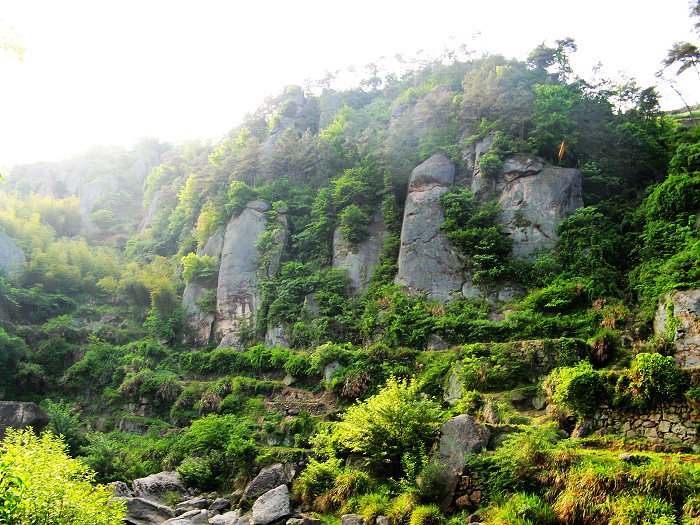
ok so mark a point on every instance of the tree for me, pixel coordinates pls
(56, 489)
(396, 421)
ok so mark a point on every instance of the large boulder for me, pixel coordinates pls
(11, 256)
(192, 517)
(237, 298)
(534, 198)
(268, 478)
(427, 261)
(272, 506)
(359, 259)
(119, 489)
(157, 486)
(140, 511)
(229, 518)
(678, 318)
(461, 437)
(19, 414)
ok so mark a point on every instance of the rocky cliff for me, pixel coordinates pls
(428, 264)
(678, 319)
(533, 198)
(236, 296)
(359, 259)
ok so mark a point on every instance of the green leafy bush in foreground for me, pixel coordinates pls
(55, 489)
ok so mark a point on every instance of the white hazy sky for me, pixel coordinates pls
(108, 72)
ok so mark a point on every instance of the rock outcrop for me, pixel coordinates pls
(236, 295)
(156, 486)
(534, 199)
(359, 259)
(11, 256)
(678, 318)
(268, 479)
(427, 262)
(18, 414)
(461, 437)
(200, 322)
(192, 517)
(140, 511)
(272, 506)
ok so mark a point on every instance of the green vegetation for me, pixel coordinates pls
(43, 485)
(351, 384)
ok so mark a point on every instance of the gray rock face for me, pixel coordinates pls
(330, 370)
(119, 489)
(18, 414)
(461, 436)
(193, 504)
(685, 305)
(156, 486)
(351, 519)
(220, 505)
(454, 386)
(11, 256)
(427, 262)
(268, 478)
(229, 518)
(359, 259)
(276, 336)
(236, 296)
(140, 511)
(272, 506)
(534, 200)
(192, 517)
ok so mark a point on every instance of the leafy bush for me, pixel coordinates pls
(578, 388)
(316, 480)
(354, 224)
(197, 268)
(57, 489)
(654, 378)
(298, 365)
(239, 194)
(490, 164)
(473, 229)
(426, 515)
(522, 509)
(396, 421)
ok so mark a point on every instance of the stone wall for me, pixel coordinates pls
(668, 423)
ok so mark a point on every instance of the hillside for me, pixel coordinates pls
(468, 293)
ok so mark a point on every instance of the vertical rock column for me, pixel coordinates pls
(428, 263)
(236, 295)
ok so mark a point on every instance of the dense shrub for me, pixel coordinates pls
(653, 378)
(394, 422)
(55, 488)
(578, 388)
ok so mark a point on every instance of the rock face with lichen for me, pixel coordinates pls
(678, 318)
(237, 297)
(533, 199)
(359, 259)
(428, 264)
